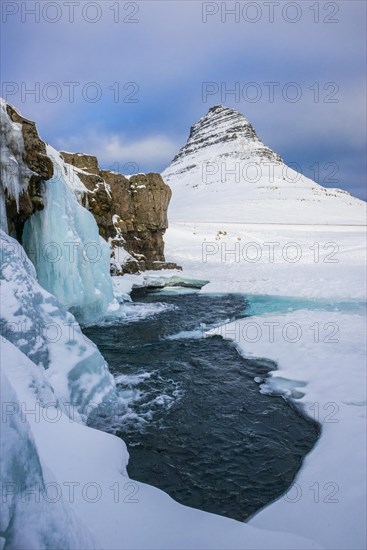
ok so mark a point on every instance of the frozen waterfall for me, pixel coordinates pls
(62, 240)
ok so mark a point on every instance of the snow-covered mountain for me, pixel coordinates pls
(224, 173)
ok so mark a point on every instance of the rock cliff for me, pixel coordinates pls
(130, 211)
(35, 165)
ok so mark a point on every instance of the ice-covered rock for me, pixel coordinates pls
(131, 212)
(24, 166)
(72, 261)
(15, 174)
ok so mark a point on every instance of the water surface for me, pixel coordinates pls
(194, 420)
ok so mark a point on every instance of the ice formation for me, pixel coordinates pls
(36, 323)
(31, 517)
(14, 173)
(62, 240)
(71, 259)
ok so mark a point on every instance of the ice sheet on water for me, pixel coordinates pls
(265, 304)
(167, 281)
(206, 330)
(196, 334)
(176, 290)
(199, 332)
(276, 385)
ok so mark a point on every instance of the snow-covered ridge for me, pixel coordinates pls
(224, 173)
(222, 125)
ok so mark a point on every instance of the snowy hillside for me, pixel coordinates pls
(225, 173)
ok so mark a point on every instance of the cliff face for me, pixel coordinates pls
(141, 214)
(130, 211)
(39, 168)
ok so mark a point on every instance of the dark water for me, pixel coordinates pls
(195, 422)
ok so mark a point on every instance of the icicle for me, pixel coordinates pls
(15, 174)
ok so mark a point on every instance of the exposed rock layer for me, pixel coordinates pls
(219, 126)
(130, 211)
(36, 159)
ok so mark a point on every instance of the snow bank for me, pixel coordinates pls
(49, 335)
(30, 517)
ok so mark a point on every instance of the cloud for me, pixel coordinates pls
(154, 150)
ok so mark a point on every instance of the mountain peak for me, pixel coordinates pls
(220, 108)
(226, 131)
(226, 117)
(225, 173)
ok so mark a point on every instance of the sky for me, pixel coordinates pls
(126, 80)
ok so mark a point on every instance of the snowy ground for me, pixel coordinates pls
(292, 260)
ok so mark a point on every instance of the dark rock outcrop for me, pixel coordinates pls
(36, 159)
(131, 211)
